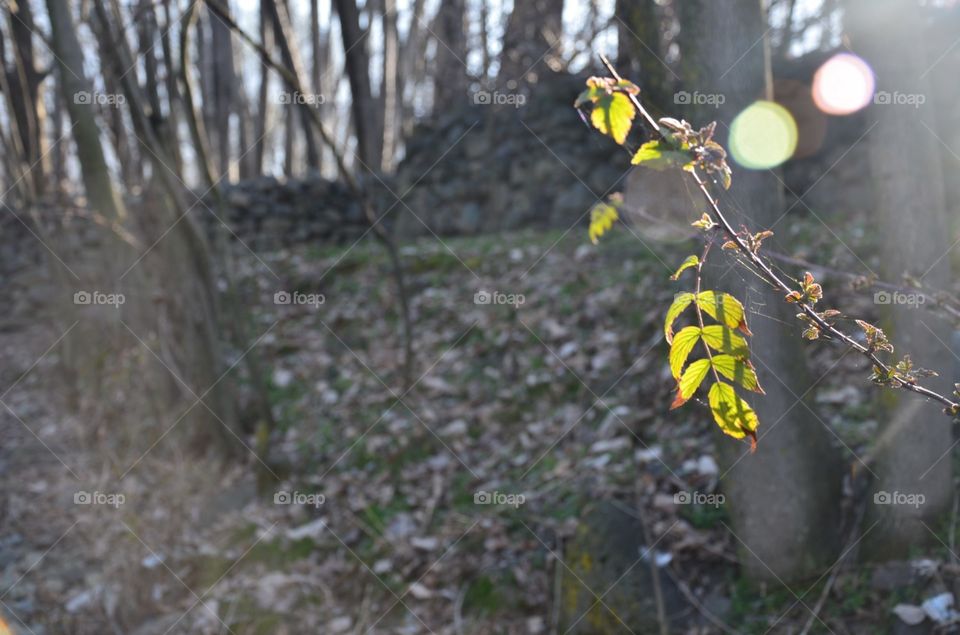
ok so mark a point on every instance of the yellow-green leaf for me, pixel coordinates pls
(659, 155)
(734, 415)
(591, 94)
(683, 343)
(691, 261)
(690, 381)
(680, 302)
(721, 338)
(602, 217)
(724, 308)
(739, 371)
(613, 115)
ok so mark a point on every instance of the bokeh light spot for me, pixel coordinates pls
(764, 135)
(843, 84)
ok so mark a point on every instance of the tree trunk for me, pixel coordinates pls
(390, 86)
(260, 129)
(450, 74)
(358, 73)
(531, 40)
(785, 498)
(912, 220)
(28, 108)
(412, 67)
(93, 167)
(224, 82)
(283, 35)
(641, 52)
(315, 162)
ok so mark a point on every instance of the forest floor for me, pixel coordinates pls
(448, 507)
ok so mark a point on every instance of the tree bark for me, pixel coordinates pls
(23, 82)
(784, 499)
(531, 40)
(641, 52)
(390, 86)
(358, 73)
(283, 36)
(450, 80)
(914, 232)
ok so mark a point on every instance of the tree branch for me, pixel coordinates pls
(771, 277)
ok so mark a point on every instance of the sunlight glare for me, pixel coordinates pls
(763, 135)
(843, 85)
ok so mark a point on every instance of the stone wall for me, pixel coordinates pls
(500, 161)
(475, 168)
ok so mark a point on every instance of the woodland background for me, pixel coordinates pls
(303, 332)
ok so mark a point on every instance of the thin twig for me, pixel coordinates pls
(771, 277)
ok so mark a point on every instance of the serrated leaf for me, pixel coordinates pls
(613, 115)
(602, 218)
(691, 261)
(659, 156)
(690, 381)
(680, 302)
(683, 343)
(725, 308)
(734, 415)
(739, 371)
(723, 339)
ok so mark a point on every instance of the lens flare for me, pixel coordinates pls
(843, 85)
(763, 136)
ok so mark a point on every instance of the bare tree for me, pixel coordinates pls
(358, 73)
(21, 87)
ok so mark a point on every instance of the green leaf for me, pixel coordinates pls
(734, 415)
(683, 343)
(680, 302)
(690, 381)
(721, 338)
(613, 115)
(591, 94)
(724, 308)
(691, 261)
(602, 218)
(659, 155)
(738, 370)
